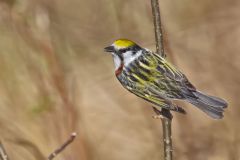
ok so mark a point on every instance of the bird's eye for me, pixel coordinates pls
(124, 50)
(134, 52)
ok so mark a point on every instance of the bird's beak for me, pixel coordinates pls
(109, 49)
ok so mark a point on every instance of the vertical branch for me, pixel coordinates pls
(164, 114)
(3, 154)
(157, 27)
(167, 137)
(166, 118)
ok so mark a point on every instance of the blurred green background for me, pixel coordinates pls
(55, 78)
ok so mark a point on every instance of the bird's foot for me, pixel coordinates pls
(164, 113)
(158, 116)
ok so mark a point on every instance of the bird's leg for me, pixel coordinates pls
(164, 113)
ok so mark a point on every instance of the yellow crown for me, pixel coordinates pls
(123, 43)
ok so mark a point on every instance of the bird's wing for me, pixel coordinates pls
(154, 98)
(143, 90)
(140, 87)
(162, 77)
(172, 72)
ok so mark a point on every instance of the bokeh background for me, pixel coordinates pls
(56, 79)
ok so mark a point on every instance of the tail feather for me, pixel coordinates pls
(212, 106)
(209, 110)
(211, 100)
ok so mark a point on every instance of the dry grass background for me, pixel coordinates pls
(55, 78)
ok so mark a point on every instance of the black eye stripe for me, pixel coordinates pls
(124, 50)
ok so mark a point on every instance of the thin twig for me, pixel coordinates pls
(63, 146)
(166, 117)
(3, 153)
(165, 114)
(158, 27)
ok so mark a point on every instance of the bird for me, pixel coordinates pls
(152, 78)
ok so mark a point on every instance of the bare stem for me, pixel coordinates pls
(3, 154)
(158, 27)
(166, 117)
(165, 114)
(63, 146)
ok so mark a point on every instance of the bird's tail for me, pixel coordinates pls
(212, 106)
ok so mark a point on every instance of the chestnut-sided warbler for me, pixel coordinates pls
(151, 77)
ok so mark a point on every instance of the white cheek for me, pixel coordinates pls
(128, 57)
(117, 61)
